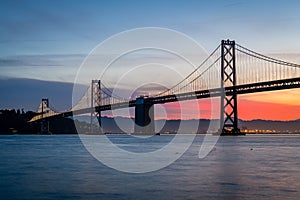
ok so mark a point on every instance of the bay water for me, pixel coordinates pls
(59, 167)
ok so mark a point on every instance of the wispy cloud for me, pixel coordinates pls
(42, 67)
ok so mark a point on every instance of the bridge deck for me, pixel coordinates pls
(240, 89)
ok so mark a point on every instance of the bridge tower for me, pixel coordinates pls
(228, 114)
(95, 103)
(144, 116)
(45, 125)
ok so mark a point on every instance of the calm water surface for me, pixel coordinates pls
(59, 167)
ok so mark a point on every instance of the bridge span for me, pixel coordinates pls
(238, 69)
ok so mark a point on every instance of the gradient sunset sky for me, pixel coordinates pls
(48, 39)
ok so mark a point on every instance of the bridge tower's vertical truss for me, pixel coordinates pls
(45, 126)
(95, 103)
(229, 114)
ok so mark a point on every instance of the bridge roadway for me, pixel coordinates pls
(240, 89)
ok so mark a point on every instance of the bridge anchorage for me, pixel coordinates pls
(240, 71)
(144, 116)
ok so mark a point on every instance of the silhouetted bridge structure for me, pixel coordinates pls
(238, 70)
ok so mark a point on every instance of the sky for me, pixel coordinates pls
(48, 40)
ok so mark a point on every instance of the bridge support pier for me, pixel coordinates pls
(45, 126)
(144, 116)
(229, 113)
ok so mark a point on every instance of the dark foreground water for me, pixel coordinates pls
(59, 167)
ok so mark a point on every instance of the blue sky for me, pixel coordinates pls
(75, 27)
(48, 39)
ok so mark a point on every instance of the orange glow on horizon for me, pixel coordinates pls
(278, 105)
(249, 110)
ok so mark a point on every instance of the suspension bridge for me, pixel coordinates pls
(238, 70)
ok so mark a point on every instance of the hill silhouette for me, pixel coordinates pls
(16, 122)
